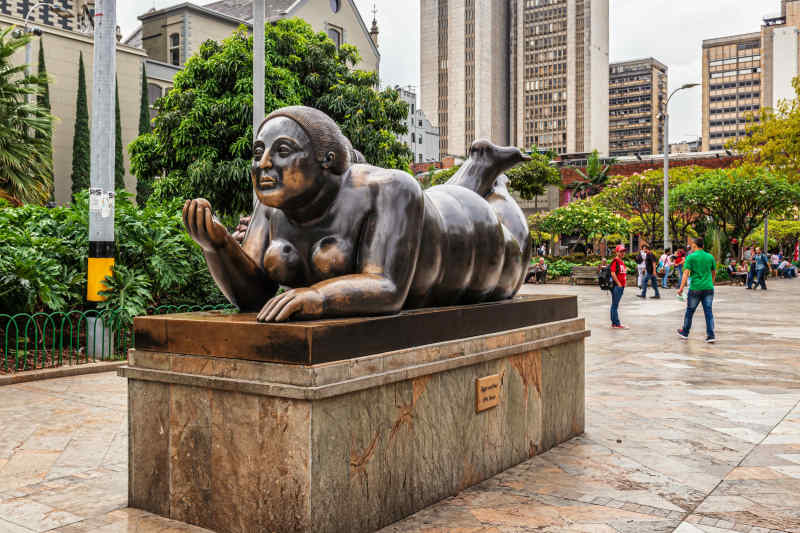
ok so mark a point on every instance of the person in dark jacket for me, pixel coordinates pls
(650, 262)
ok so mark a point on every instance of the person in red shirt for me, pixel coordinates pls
(619, 272)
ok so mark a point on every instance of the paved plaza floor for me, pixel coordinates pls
(681, 436)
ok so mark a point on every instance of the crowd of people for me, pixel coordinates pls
(696, 270)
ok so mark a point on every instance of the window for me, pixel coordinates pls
(335, 5)
(420, 139)
(335, 35)
(413, 138)
(175, 49)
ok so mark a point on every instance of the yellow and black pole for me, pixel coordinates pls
(101, 174)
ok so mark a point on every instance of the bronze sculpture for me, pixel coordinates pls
(353, 239)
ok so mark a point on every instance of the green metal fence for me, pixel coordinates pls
(42, 340)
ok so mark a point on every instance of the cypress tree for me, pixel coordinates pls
(119, 162)
(144, 107)
(81, 153)
(144, 186)
(43, 99)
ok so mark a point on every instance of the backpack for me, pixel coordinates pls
(605, 279)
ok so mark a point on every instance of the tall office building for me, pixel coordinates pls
(745, 73)
(464, 81)
(519, 72)
(559, 75)
(637, 91)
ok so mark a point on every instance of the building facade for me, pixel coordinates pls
(173, 34)
(559, 75)
(743, 74)
(523, 72)
(64, 39)
(422, 138)
(464, 81)
(637, 92)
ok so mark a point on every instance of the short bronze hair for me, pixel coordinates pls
(324, 133)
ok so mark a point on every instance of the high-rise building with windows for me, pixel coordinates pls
(637, 91)
(523, 72)
(744, 73)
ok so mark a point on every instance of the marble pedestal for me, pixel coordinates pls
(226, 434)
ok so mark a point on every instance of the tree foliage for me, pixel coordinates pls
(43, 99)
(26, 163)
(593, 180)
(43, 257)
(119, 161)
(586, 219)
(736, 201)
(81, 141)
(201, 141)
(773, 138)
(782, 234)
(531, 178)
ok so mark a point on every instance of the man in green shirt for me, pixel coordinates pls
(702, 268)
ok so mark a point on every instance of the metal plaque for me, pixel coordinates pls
(487, 392)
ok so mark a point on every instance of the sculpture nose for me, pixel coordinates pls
(266, 160)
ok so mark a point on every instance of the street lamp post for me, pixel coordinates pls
(667, 239)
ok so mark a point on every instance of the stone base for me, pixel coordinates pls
(237, 445)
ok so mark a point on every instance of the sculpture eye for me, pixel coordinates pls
(258, 151)
(284, 150)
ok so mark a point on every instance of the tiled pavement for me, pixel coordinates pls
(681, 436)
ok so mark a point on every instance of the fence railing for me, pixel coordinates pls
(43, 340)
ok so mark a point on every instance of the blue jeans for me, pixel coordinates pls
(695, 299)
(650, 278)
(616, 296)
(679, 272)
(665, 282)
(759, 278)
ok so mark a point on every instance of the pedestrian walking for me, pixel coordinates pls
(649, 261)
(677, 263)
(619, 272)
(665, 267)
(702, 267)
(640, 266)
(760, 269)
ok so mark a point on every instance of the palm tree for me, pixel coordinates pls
(594, 179)
(25, 162)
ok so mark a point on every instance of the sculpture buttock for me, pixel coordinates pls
(352, 239)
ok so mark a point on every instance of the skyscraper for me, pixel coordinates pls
(520, 72)
(637, 92)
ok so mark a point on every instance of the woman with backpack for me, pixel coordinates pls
(619, 273)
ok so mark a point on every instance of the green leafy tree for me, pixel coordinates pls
(782, 234)
(26, 163)
(736, 201)
(773, 138)
(43, 99)
(119, 161)
(81, 152)
(531, 178)
(586, 220)
(201, 141)
(438, 177)
(593, 180)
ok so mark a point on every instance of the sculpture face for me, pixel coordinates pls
(284, 170)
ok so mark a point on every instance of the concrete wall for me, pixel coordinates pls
(61, 57)
(784, 64)
(596, 105)
(429, 62)
(202, 27)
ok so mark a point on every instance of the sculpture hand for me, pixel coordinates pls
(203, 226)
(301, 303)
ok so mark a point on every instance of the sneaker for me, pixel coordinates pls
(620, 326)
(656, 297)
(711, 340)
(682, 334)
(639, 296)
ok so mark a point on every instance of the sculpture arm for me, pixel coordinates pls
(234, 267)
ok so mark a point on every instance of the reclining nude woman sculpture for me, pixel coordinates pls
(352, 239)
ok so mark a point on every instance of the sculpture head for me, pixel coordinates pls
(297, 152)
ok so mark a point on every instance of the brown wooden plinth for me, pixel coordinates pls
(239, 336)
(228, 431)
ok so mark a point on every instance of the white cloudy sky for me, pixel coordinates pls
(669, 30)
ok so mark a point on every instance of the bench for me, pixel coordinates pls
(584, 273)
